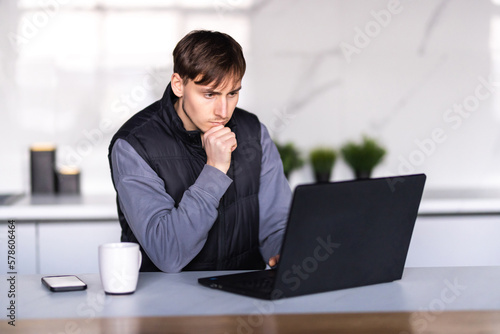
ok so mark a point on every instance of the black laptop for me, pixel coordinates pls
(339, 235)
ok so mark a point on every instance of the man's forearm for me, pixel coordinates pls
(171, 236)
(274, 199)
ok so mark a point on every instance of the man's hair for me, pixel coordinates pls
(208, 56)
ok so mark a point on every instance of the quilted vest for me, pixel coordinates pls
(177, 156)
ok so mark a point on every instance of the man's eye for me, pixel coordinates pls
(209, 95)
(233, 94)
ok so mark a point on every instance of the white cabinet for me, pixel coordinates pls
(27, 252)
(25, 247)
(469, 240)
(59, 234)
(58, 248)
(71, 248)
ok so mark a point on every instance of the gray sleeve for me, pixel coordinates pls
(275, 198)
(171, 236)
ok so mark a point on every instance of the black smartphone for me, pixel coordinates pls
(63, 283)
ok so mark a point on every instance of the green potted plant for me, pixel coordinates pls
(290, 156)
(322, 160)
(363, 157)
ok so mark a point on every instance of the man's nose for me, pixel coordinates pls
(221, 107)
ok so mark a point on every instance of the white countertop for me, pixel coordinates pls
(460, 201)
(61, 207)
(462, 206)
(425, 291)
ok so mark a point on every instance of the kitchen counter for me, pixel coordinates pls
(460, 202)
(61, 207)
(102, 207)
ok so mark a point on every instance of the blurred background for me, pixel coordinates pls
(421, 77)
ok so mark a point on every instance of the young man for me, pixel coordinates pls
(199, 182)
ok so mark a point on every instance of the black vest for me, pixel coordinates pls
(177, 156)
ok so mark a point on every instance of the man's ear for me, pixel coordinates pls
(177, 85)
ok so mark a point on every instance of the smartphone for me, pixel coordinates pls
(63, 283)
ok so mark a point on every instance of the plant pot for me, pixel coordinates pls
(363, 174)
(322, 177)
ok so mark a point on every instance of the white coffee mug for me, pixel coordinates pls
(119, 265)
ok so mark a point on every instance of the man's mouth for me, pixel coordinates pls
(218, 123)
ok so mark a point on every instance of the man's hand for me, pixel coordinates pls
(273, 261)
(219, 142)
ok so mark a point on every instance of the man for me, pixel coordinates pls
(199, 182)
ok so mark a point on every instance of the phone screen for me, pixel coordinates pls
(63, 283)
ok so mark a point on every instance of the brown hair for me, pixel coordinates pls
(210, 55)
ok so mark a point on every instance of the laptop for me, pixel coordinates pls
(339, 235)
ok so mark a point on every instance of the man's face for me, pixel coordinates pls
(201, 107)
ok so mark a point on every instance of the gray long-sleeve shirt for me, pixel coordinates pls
(172, 236)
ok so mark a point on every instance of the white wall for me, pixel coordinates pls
(75, 77)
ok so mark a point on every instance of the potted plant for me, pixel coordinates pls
(290, 157)
(363, 157)
(322, 161)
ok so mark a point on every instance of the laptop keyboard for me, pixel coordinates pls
(262, 284)
(260, 281)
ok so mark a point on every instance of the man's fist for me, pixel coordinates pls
(219, 142)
